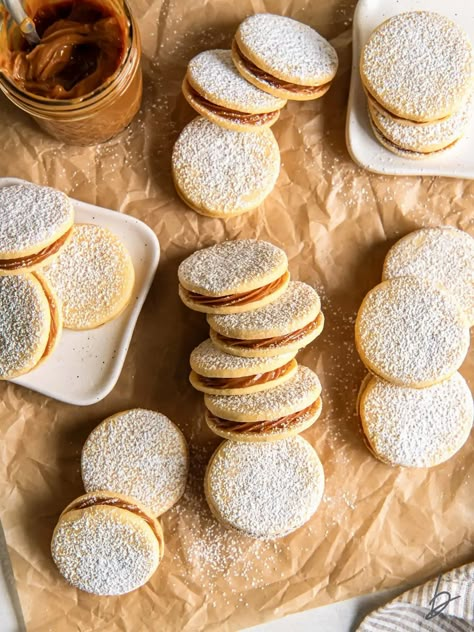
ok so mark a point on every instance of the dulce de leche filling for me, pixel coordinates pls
(236, 299)
(245, 382)
(37, 258)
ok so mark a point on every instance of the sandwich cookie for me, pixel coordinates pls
(284, 57)
(218, 373)
(412, 427)
(139, 453)
(284, 326)
(93, 277)
(271, 415)
(411, 332)
(233, 276)
(35, 223)
(107, 544)
(215, 89)
(30, 323)
(219, 172)
(442, 255)
(264, 491)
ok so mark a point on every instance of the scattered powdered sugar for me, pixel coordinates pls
(223, 171)
(294, 395)
(411, 332)
(226, 267)
(30, 216)
(290, 50)
(442, 255)
(139, 453)
(419, 65)
(214, 74)
(265, 490)
(417, 427)
(296, 307)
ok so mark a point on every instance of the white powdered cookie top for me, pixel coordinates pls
(227, 267)
(139, 453)
(293, 396)
(442, 255)
(292, 51)
(224, 171)
(213, 72)
(417, 427)
(419, 65)
(296, 307)
(266, 490)
(31, 216)
(102, 554)
(24, 315)
(411, 332)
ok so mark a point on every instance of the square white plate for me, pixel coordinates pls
(86, 365)
(457, 162)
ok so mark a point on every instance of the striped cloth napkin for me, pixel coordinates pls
(444, 604)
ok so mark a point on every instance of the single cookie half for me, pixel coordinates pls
(442, 255)
(107, 544)
(93, 277)
(222, 173)
(411, 332)
(215, 89)
(35, 223)
(264, 491)
(30, 323)
(284, 326)
(271, 415)
(139, 453)
(418, 66)
(284, 57)
(233, 276)
(412, 427)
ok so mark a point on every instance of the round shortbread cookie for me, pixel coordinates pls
(93, 277)
(139, 453)
(418, 65)
(264, 491)
(442, 255)
(222, 173)
(411, 332)
(412, 427)
(107, 544)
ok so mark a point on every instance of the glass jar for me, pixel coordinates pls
(94, 117)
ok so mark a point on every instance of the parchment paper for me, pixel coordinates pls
(377, 526)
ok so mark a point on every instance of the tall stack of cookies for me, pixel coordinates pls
(256, 395)
(227, 161)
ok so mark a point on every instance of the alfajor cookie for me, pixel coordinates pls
(233, 276)
(411, 332)
(284, 57)
(412, 427)
(107, 544)
(264, 491)
(284, 326)
(442, 255)
(30, 323)
(216, 90)
(270, 415)
(93, 276)
(220, 172)
(35, 223)
(218, 373)
(139, 453)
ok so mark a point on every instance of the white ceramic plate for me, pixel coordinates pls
(86, 365)
(457, 162)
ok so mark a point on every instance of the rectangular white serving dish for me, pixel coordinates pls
(364, 149)
(86, 365)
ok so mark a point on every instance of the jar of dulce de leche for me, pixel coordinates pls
(82, 83)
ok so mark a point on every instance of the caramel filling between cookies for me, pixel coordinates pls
(245, 382)
(37, 258)
(236, 299)
(53, 330)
